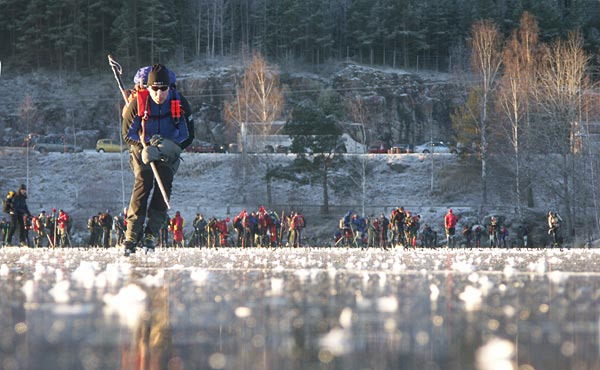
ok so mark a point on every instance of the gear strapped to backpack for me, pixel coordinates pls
(7, 202)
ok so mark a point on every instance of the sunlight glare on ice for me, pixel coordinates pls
(4, 270)
(85, 274)
(276, 286)
(336, 341)
(472, 298)
(60, 291)
(346, 318)
(129, 304)
(496, 354)
(199, 276)
(387, 304)
(243, 312)
(434, 292)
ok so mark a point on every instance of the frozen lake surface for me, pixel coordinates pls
(309, 308)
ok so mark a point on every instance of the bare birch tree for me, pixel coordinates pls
(561, 81)
(514, 94)
(486, 59)
(358, 111)
(258, 100)
(29, 115)
(258, 97)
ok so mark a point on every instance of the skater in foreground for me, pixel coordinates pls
(156, 129)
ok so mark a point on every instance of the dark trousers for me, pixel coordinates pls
(16, 221)
(145, 188)
(106, 237)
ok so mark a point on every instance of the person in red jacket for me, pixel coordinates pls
(222, 228)
(450, 222)
(63, 221)
(176, 227)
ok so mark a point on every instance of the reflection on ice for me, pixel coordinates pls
(496, 354)
(300, 308)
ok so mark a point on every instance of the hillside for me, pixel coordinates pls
(399, 107)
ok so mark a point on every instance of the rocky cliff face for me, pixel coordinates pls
(395, 106)
(400, 106)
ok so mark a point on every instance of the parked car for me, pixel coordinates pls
(278, 148)
(400, 149)
(434, 147)
(199, 146)
(378, 147)
(55, 143)
(110, 146)
(467, 149)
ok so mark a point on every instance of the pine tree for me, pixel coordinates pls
(312, 130)
(13, 12)
(358, 17)
(125, 29)
(33, 43)
(158, 30)
(99, 19)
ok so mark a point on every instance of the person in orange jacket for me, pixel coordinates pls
(176, 227)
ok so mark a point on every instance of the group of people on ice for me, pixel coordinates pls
(371, 231)
(48, 229)
(401, 228)
(404, 229)
(261, 228)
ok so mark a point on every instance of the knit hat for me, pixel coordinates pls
(159, 76)
(22, 187)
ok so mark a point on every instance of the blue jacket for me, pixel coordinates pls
(159, 122)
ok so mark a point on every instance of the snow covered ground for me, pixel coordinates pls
(308, 308)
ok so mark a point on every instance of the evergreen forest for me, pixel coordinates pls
(76, 35)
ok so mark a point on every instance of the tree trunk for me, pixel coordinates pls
(484, 149)
(325, 208)
(516, 144)
(364, 183)
(566, 231)
(269, 191)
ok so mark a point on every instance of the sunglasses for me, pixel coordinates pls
(161, 88)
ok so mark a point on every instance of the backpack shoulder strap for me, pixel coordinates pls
(142, 103)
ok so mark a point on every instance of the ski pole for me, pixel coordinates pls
(55, 223)
(153, 166)
(117, 71)
(50, 241)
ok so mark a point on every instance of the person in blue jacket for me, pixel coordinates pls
(156, 118)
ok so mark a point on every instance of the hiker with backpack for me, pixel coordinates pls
(554, 221)
(157, 132)
(18, 212)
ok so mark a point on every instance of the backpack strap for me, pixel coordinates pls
(175, 107)
(142, 103)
